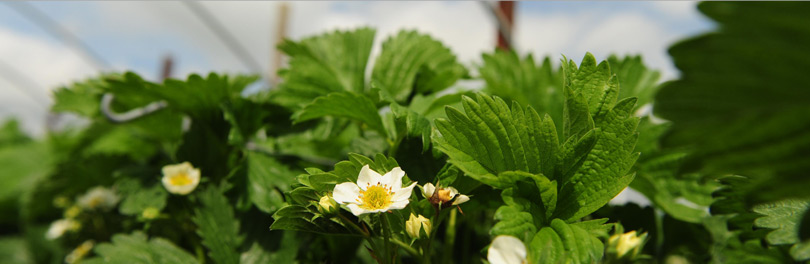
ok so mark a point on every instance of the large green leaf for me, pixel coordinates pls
(742, 101)
(564, 243)
(323, 64)
(134, 248)
(411, 61)
(217, 225)
(589, 179)
(489, 138)
(343, 104)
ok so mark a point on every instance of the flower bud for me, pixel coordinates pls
(442, 197)
(627, 245)
(72, 212)
(327, 205)
(415, 224)
(150, 213)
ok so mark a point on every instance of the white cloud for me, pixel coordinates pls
(622, 33)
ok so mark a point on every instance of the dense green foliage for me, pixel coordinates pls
(535, 156)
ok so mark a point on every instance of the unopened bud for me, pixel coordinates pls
(415, 224)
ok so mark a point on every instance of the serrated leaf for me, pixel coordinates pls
(563, 243)
(782, 216)
(635, 78)
(604, 172)
(217, 225)
(267, 180)
(343, 104)
(319, 65)
(134, 248)
(520, 79)
(412, 61)
(489, 138)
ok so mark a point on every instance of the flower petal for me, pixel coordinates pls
(461, 199)
(393, 178)
(367, 177)
(346, 192)
(356, 210)
(402, 194)
(506, 250)
(396, 205)
(428, 190)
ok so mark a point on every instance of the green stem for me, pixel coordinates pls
(450, 235)
(353, 225)
(407, 248)
(387, 235)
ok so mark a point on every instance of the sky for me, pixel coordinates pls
(136, 36)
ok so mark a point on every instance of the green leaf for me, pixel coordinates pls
(636, 80)
(742, 101)
(134, 248)
(521, 79)
(217, 225)
(343, 104)
(604, 171)
(782, 216)
(333, 62)
(563, 243)
(301, 218)
(267, 180)
(82, 98)
(137, 198)
(411, 61)
(489, 138)
(513, 222)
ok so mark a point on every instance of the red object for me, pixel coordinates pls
(507, 8)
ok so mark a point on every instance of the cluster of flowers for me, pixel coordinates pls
(179, 179)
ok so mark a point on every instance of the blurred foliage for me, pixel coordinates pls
(541, 150)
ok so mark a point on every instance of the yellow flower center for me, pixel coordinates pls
(180, 179)
(444, 195)
(375, 197)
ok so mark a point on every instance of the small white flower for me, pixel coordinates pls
(373, 192)
(59, 227)
(98, 198)
(415, 224)
(506, 250)
(443, 196)
(180, 178)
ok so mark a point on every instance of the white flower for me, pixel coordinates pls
(180, 178)
(59, 227)
(98, 198)
(506, 250)
(374, 193)
(415, 224)
(443, 196)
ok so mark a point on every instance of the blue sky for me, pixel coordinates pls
(136, 35)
